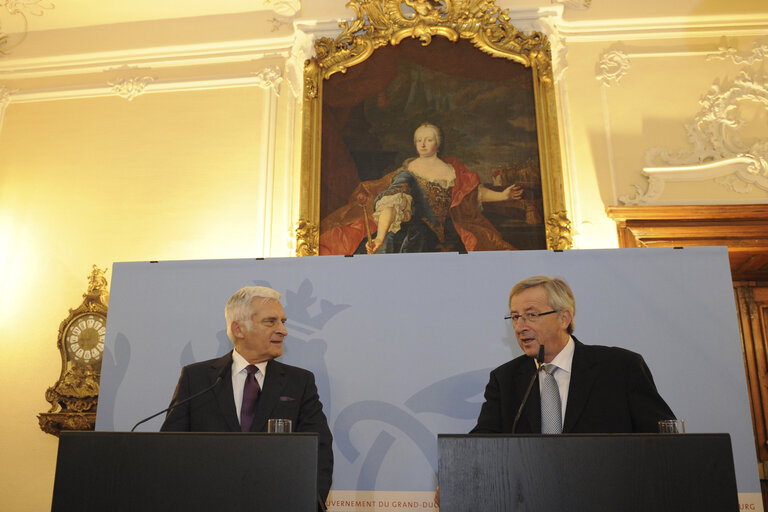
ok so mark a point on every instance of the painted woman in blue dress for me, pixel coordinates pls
(433, 204)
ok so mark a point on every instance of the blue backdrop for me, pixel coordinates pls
(401, 345)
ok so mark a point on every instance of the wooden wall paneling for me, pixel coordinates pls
(743, 228)
(756, 365)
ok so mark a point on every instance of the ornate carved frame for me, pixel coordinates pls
(388, 22)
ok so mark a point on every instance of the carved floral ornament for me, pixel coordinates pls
(720, 147)
(129, 88)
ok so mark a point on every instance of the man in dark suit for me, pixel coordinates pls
(595, 389)
(253, 387)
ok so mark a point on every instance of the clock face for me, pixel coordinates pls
(85, 338)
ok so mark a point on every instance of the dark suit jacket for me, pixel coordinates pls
(289, 392)
(611, 390)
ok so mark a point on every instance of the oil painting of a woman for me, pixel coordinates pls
(469, 180)
(428, 204)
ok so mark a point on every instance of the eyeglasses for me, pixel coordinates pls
(528, 317)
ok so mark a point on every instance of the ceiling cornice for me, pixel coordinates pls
(664, 28)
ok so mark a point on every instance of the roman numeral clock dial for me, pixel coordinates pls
(85, 338)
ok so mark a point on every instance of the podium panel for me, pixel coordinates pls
(169, 471)
(587, 473)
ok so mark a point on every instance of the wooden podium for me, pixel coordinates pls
(587, 473)
(120, 471)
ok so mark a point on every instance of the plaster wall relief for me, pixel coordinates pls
(579, 5)
(269, 78)
(727, 138)
(14, 19)
(284, 7)
(129, 88)
(612, 67)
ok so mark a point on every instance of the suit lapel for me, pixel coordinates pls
(583, 374)
(224, 396)
(532, 410)
(274, 382)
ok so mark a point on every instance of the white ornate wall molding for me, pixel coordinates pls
(129, 88)
(727, 52)
(612, 67)
(629, 29)
(116, 88)
(731, 172)
(230, 52)
(266, 173)
(614, 63)
(269, 78)
(719, 150)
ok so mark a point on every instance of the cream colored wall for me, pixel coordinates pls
(162, 177)
(205, 163)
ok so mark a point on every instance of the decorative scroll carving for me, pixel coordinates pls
(311, 81)
(390, 21)
(559, 231)
(129, 88)
(759, 52)
(718, 151)
(613, 65)
(269, 77)
(307, 238)
(19, 11)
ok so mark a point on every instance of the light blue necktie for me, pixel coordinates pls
(551, 414)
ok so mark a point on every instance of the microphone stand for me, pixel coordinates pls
(173, 406)
(539, 359)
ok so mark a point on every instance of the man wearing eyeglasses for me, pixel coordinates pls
(581, 388)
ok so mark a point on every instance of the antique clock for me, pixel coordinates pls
(74, 396)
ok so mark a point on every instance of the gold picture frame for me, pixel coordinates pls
(388, 23)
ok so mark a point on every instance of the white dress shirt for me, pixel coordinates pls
(239, 373)
(563, 361)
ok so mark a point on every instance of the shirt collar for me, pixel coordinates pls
(239, 363)
(564, 359)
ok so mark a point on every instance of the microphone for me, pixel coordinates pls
(539, 359)
(173, 406)
(321, 503)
